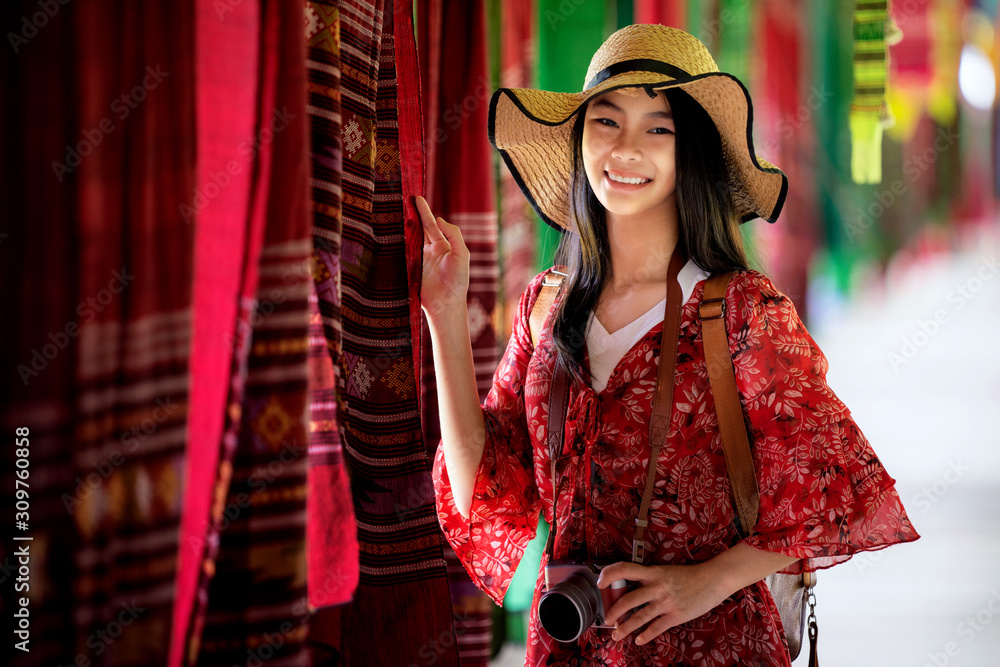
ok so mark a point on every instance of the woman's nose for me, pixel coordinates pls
(627, 147)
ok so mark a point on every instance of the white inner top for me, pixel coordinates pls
(606, 350)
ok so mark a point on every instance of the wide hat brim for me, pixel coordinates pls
(529, 128)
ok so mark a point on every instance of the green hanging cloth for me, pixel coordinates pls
(734, 39)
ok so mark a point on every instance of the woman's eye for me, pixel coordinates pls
(607, 122)
(662, 130)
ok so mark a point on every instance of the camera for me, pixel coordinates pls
(572, 602)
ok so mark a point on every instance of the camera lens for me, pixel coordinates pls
(569, 608)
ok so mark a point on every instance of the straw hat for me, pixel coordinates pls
(529, 127)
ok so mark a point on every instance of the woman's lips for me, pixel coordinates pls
(625, 186)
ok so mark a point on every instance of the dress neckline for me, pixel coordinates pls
(633, 326)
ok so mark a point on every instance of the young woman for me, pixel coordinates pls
(652, 158)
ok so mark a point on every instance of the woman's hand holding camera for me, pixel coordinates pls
(669, 595)
(675, 594)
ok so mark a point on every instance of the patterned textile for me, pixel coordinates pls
(824, 494)
(332, 536)
(456, 87)
(99, 153)
(245, 501)
(402, 592)
(256, 602)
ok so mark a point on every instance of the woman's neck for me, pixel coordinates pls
(640, 250)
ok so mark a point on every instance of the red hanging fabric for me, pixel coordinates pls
(517, 223)
(787, 113)
(256, 599)
(457, 90)
(97, 271)
(229, 230)
(671, 12)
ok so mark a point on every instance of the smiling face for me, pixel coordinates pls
(628, 154)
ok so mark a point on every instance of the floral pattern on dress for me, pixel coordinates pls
(824, 494)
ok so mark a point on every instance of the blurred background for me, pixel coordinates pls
(218, 394)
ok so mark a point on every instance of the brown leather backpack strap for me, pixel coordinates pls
(725, 393)
(558, 390)
(558, 403)
(543, 303)
(663, 398)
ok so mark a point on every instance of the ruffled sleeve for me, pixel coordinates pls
(505, 501)
(824, 494)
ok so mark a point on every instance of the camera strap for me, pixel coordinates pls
(662, 398)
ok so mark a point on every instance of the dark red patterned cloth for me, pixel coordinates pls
(824, 494)
(99, 152)
(401, 612)
(331, 531)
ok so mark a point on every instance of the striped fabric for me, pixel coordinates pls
(401, 612)
(257, 598)
(868, 112)
(332, 538)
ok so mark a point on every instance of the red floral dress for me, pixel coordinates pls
(824, 494)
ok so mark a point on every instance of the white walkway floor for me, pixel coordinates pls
(919, 367)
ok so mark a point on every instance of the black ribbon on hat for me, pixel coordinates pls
(638, 65)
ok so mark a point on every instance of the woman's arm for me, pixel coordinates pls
(463, 433)
(443, 290)
(675, 594)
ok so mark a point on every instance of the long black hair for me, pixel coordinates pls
(708, 223)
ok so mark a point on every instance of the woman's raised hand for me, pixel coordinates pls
(445, 281)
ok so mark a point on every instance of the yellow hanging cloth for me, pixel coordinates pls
(869, 114)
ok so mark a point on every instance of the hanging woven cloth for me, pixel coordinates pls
(869, 114)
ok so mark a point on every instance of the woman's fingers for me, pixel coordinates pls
(431, 229)
(629, 601)
(655, 629)
(625, 570)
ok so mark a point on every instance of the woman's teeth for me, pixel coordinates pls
(630, 181)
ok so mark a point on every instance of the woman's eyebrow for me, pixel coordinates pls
(665, 115)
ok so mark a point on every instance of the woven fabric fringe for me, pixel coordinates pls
(868, 112)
